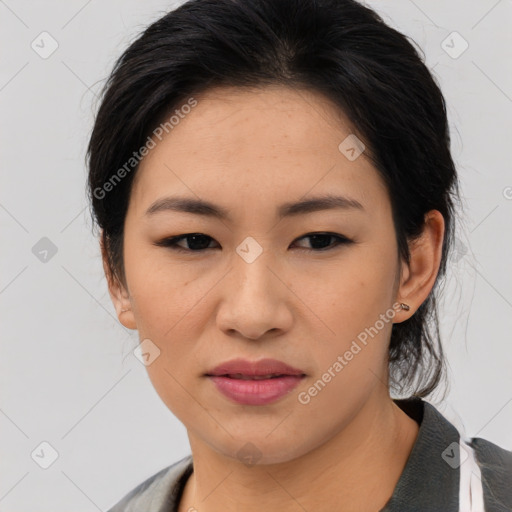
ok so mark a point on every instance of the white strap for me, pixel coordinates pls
(471, 494)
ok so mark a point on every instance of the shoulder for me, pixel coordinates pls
(159, 492)
(496, 468)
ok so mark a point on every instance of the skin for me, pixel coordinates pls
(249, 151)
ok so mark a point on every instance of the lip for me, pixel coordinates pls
(255, 392)
(254, 368)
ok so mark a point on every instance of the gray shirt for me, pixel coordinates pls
(428, 483)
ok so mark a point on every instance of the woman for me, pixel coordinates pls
(276, 196)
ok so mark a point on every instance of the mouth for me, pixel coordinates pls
(261, 382)
(255, 390)
(243, 369)
(241, 376)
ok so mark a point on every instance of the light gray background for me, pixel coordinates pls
(67, 373)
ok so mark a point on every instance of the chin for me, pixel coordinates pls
(259, 450)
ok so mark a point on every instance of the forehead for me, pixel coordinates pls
(256, 144)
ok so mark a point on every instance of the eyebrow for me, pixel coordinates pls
(208, 209)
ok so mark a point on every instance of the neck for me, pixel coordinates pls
(358, 469)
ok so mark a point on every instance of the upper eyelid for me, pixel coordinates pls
(311, 233)
(178, 238)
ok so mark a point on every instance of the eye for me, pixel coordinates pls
(321, 241)
(198, 242)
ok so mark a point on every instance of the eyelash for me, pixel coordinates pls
(171, 242)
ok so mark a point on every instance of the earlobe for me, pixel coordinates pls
(118, 293)
(127, 318)
(419, 276)
(121, 300)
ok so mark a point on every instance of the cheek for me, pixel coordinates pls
(350, 293)
(352, 361)
(162, 292)
(353, 304)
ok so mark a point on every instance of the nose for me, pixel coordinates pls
(255, 300)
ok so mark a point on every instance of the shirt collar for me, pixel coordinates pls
(430, 478)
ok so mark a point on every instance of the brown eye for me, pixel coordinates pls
(196, 242)
(323, 241)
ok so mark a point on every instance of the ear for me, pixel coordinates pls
(418, 277)
(118, 293)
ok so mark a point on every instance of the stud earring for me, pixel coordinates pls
(405, 306)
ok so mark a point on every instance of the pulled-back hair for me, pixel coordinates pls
(338, 48)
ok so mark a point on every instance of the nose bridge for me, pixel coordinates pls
(255, 301)
(253, 278)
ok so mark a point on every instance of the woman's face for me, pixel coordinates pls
(281, 294)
